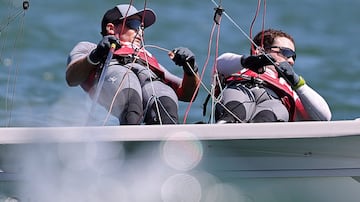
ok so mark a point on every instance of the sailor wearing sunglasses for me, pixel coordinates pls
(264, 87)
(136, 88)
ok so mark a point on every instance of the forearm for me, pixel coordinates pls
(314, 104)
(229, 63)
(188, 87)
(78, 71)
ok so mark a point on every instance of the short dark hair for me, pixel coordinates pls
(111, 16)
(265, 39)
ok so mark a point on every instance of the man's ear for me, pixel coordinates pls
(110, 28)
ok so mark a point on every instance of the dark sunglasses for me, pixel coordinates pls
(133, 24)
(287, 52)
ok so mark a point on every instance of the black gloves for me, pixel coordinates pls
(100, 52)
(256, 63)
(286, 70)
(185, 58)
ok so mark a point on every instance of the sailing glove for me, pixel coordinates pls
(257, 63)
(185, 58)
(286, 70)
(101, 51)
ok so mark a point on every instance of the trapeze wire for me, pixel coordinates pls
(151, 83)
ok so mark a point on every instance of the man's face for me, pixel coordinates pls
(130, 30)
(283, 49)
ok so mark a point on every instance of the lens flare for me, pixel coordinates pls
(181, 187)
(182, 151)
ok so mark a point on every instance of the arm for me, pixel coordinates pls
(187, 87)
(184, 88)
(315, 105)
(230, 63)
(85, 57)
(78, 67)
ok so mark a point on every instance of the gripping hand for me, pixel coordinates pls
(100, 52)
(287, 71)
(257, 63)
(185, 58)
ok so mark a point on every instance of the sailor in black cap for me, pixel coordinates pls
(136, 87)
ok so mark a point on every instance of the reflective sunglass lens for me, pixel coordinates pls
(288, 53)
(133, 24)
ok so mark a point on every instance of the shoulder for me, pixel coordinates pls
(229, 56)
(80, 50)
(84, 46)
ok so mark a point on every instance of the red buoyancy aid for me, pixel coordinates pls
(128, 51)
(288, 97)
(143, 55)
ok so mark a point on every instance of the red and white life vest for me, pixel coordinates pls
(288, 97)
(143, 55)
(127, 50)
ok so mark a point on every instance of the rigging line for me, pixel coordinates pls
(215, 66)
(114, 97)
(244, 33)
(151, 81)
(143, 17)
(252, 42)
(2, 28)
(125, 18)
(215, 77)
(237, 26)
(263, 24)
(253, 45)
(217, 20)
(113, 100)
(121, 84)
(212, 116)
(116, 94)
(204, 67)
(164, 109)
(164, 49)
(252, 25)
(156, 101)
(9, 102)
(193, 96)
(102, 75)
(158, 47)
(281, 73)
(197, 87)
(122, 80)
(11, 19)
(194, 73)
(101, 81)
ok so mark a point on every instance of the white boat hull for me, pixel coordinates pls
(253, 160)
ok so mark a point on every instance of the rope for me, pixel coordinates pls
(101, 81)
(13, 69)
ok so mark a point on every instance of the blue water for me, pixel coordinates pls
(34, 48)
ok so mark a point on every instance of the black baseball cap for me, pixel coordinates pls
(123, 11)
